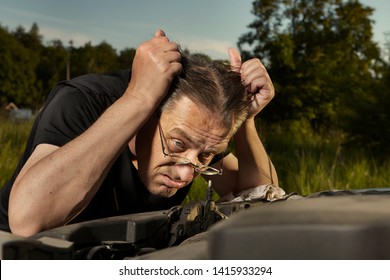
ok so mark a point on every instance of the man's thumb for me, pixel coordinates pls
(159, 33)
(235, 59)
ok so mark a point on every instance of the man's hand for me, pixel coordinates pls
(255, 78)
(155, 65)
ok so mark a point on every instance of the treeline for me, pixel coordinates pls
(331, 78)
(328, 72)
(29, 67)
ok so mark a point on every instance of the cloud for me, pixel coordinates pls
(217, 49)
(79, 39)
(29, 16)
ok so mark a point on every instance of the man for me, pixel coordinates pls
(107, 145)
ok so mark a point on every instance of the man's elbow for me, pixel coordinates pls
(23, 226)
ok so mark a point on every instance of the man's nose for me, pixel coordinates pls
(185, 171)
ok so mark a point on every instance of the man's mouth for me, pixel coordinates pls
(169, 182)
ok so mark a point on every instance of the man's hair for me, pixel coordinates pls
(213, 86)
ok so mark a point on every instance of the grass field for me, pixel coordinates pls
(13, 137)
(305, 163)
(312, 163)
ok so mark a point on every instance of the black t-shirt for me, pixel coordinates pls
(72, 107)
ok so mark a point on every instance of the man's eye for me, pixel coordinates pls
(176, 146)
(206, 157)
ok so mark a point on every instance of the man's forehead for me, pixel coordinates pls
(196, 136)
(196, 124)
(185, 107)
(186, 125)
(195, 139)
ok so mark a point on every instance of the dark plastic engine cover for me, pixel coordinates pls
(345, 227)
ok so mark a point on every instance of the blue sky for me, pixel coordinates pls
(208, 26)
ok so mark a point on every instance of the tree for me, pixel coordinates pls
(319, 54)
(368, 126)
(126, 57)
(31, 40)
(106, 58)
(17, 71)
(52, 66)
(93, 59)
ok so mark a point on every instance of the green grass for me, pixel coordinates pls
(313, 170)
(306, 163)
(13, 137)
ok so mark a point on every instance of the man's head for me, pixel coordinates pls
(203, 109)
(213, 87)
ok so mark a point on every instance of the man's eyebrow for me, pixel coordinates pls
(186, 136)
(191, 140)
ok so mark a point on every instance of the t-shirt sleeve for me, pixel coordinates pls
(68, 115)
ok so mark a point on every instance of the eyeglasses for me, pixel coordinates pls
(179, 160)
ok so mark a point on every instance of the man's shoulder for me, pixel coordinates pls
(112, 84)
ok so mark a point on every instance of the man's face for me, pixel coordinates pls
(187, 131)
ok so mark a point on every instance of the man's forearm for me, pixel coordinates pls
(57, 185)
(255, 166)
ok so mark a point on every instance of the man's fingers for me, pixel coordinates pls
(252, 69)
(170, 46)
(172, 56)
(235, 59)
